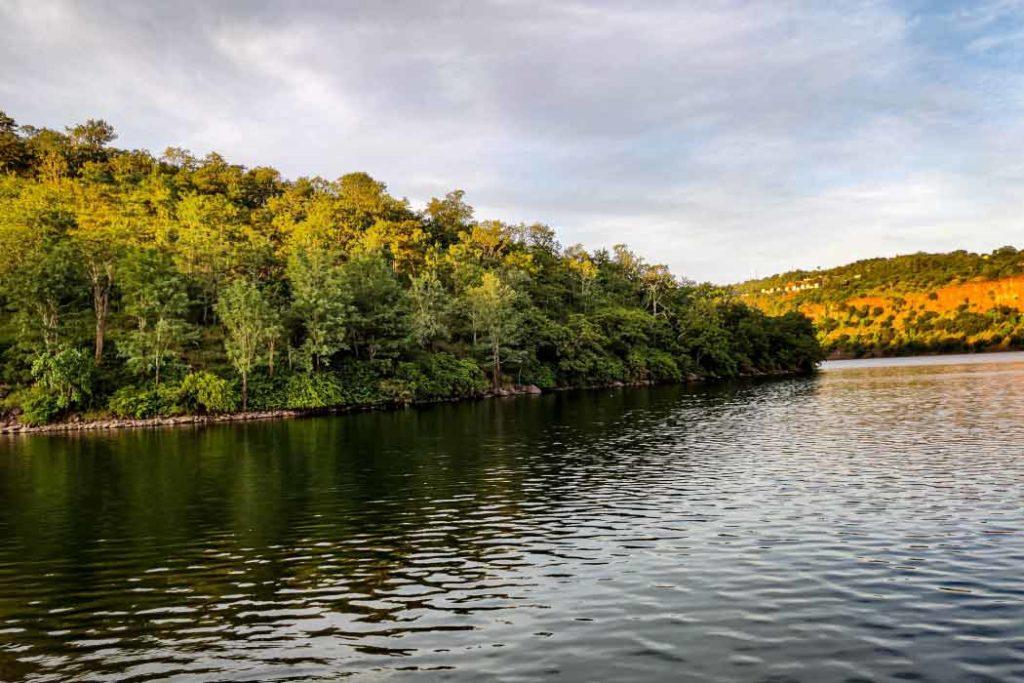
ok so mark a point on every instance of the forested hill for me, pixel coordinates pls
(917, 303)
(143, 285)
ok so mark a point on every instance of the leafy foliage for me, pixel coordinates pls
(64, 380)
(250, 324)
(138, 403)
(204, 392)
(222, 287)
(37, 405)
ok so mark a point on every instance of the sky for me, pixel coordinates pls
(725, 139)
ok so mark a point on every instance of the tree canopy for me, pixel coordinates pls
(145, 285)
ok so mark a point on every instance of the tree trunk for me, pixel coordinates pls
(51, 320)
(102, 277)
(101, 305)
(156, 361)
(270, 354)
(496, 367)
(245, 391)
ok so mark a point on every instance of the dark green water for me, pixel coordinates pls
(864, 524)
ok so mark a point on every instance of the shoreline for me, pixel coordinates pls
(838, 355)
(111, 423)
(11, 429)
(76, 424)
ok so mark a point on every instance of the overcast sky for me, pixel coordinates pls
(724, 139)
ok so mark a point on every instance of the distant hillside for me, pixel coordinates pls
(917, 303)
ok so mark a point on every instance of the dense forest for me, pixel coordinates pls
(139, 286)
(916, 303)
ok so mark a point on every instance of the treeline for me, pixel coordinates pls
(144, 286)
(905, 273)
(918, 303)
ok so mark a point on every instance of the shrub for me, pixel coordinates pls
(12, 401)
(63, 380)
(268, 393)
(205, 392)
(143, 402)
(38, 406)
(66, 375)
(315, 390)
(540, 375)
(359, 382)
(133, 402)
(398, 390)
(658, 366)
(441, 376)
(584, 358)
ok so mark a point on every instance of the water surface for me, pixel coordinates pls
(863, 524)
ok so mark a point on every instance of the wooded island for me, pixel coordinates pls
(137, 286)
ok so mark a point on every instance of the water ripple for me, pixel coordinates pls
(863, 524)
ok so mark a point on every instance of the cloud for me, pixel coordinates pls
(722, 138)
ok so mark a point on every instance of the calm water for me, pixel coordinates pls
(864, 524)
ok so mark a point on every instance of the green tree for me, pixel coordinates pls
(248, 321)
(320, 304)
(156, 299)
(446, 218)
(13, 154)
(378, 310)
(657, 283)
(105, 225)
(493, 307)
(379, 302)
(41, 275)
(430, 304)
(209, 241)
(66, 375)
(704, 338)
(579, 263)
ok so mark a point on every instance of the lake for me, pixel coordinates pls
(861, 524)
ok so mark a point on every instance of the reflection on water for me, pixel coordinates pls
(861, 524)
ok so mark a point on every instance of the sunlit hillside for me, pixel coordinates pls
(916, 303)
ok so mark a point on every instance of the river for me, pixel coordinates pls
(861, 524)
